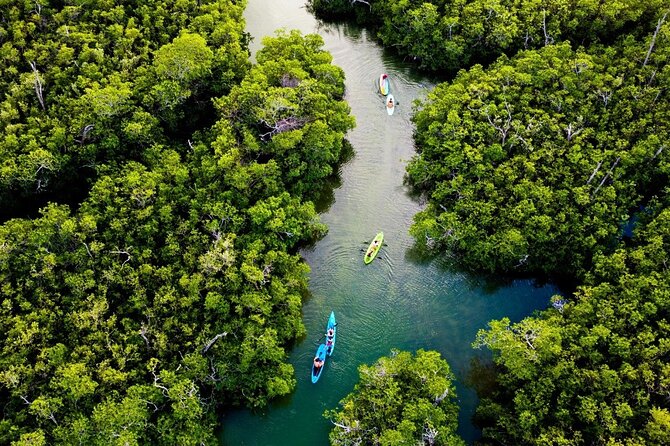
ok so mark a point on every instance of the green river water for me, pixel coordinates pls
(399, 300)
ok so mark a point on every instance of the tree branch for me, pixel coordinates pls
(653, 38)
(548, 40)
(593, 174)
(213, 340)
(353, 2)
(126, 253)
(38, 85)
(606, 176)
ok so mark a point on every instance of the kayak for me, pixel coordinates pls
(374, 248)
(390, 101)
(321, 353)
(384, 85)
(330, 343)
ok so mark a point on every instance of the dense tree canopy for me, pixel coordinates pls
(452, 34)
(162, 282)
(535, 163)
(401, 400)
(594, 370)
(91, 83)
(175, 287)
(286, 102)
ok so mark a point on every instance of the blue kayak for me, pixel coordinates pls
(330, 341)
(321, 353)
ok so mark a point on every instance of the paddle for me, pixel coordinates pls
(378, 256)
(383, 244)
(324, 335)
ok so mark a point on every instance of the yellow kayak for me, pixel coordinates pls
(374, 248)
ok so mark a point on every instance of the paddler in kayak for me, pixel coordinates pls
(318, 363)
(372, 248)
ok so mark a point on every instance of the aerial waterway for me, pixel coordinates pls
(399, 300)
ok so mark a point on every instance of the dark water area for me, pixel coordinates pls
(402, 300)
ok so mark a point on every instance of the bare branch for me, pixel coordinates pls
(503, 129)
(570, 132)
(361, 1)
(605, 95)
(527, 39)
(658, 152)
(450, 27)
(213, 376)
(213, 340)
(38, 85)
(288, 81)
(593, 174)
(548, 40)
(126, 253)
(164, 389)
(143, 333)
(152, 404)
(529, 336)
(653, 38)
(346, 428)
(522, 261)
(282, 125)
(429, 435)
(83, 135)
(440, 398)
(606, 176)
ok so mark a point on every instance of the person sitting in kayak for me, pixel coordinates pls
(318, 363)
(330, 333)
(389, 103)
(372, 248)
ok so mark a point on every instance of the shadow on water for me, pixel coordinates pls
(348, 29)
(325, 195)
(430, 302)
(419, 254)
(481, 376)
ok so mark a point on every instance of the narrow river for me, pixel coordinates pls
(398, 301)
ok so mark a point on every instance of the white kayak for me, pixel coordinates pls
(390, 104)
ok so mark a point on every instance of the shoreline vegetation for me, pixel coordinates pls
(156, 186)
(172, 290)
(550, 139)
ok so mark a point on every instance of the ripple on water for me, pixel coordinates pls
(396, 301)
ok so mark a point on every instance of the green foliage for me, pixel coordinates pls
(82, 82)
(332, 9)
(596, 371)
(400, 400)
(533, 164)
(175, 287)
(186, 59)
(447, 35)
(292, 102)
